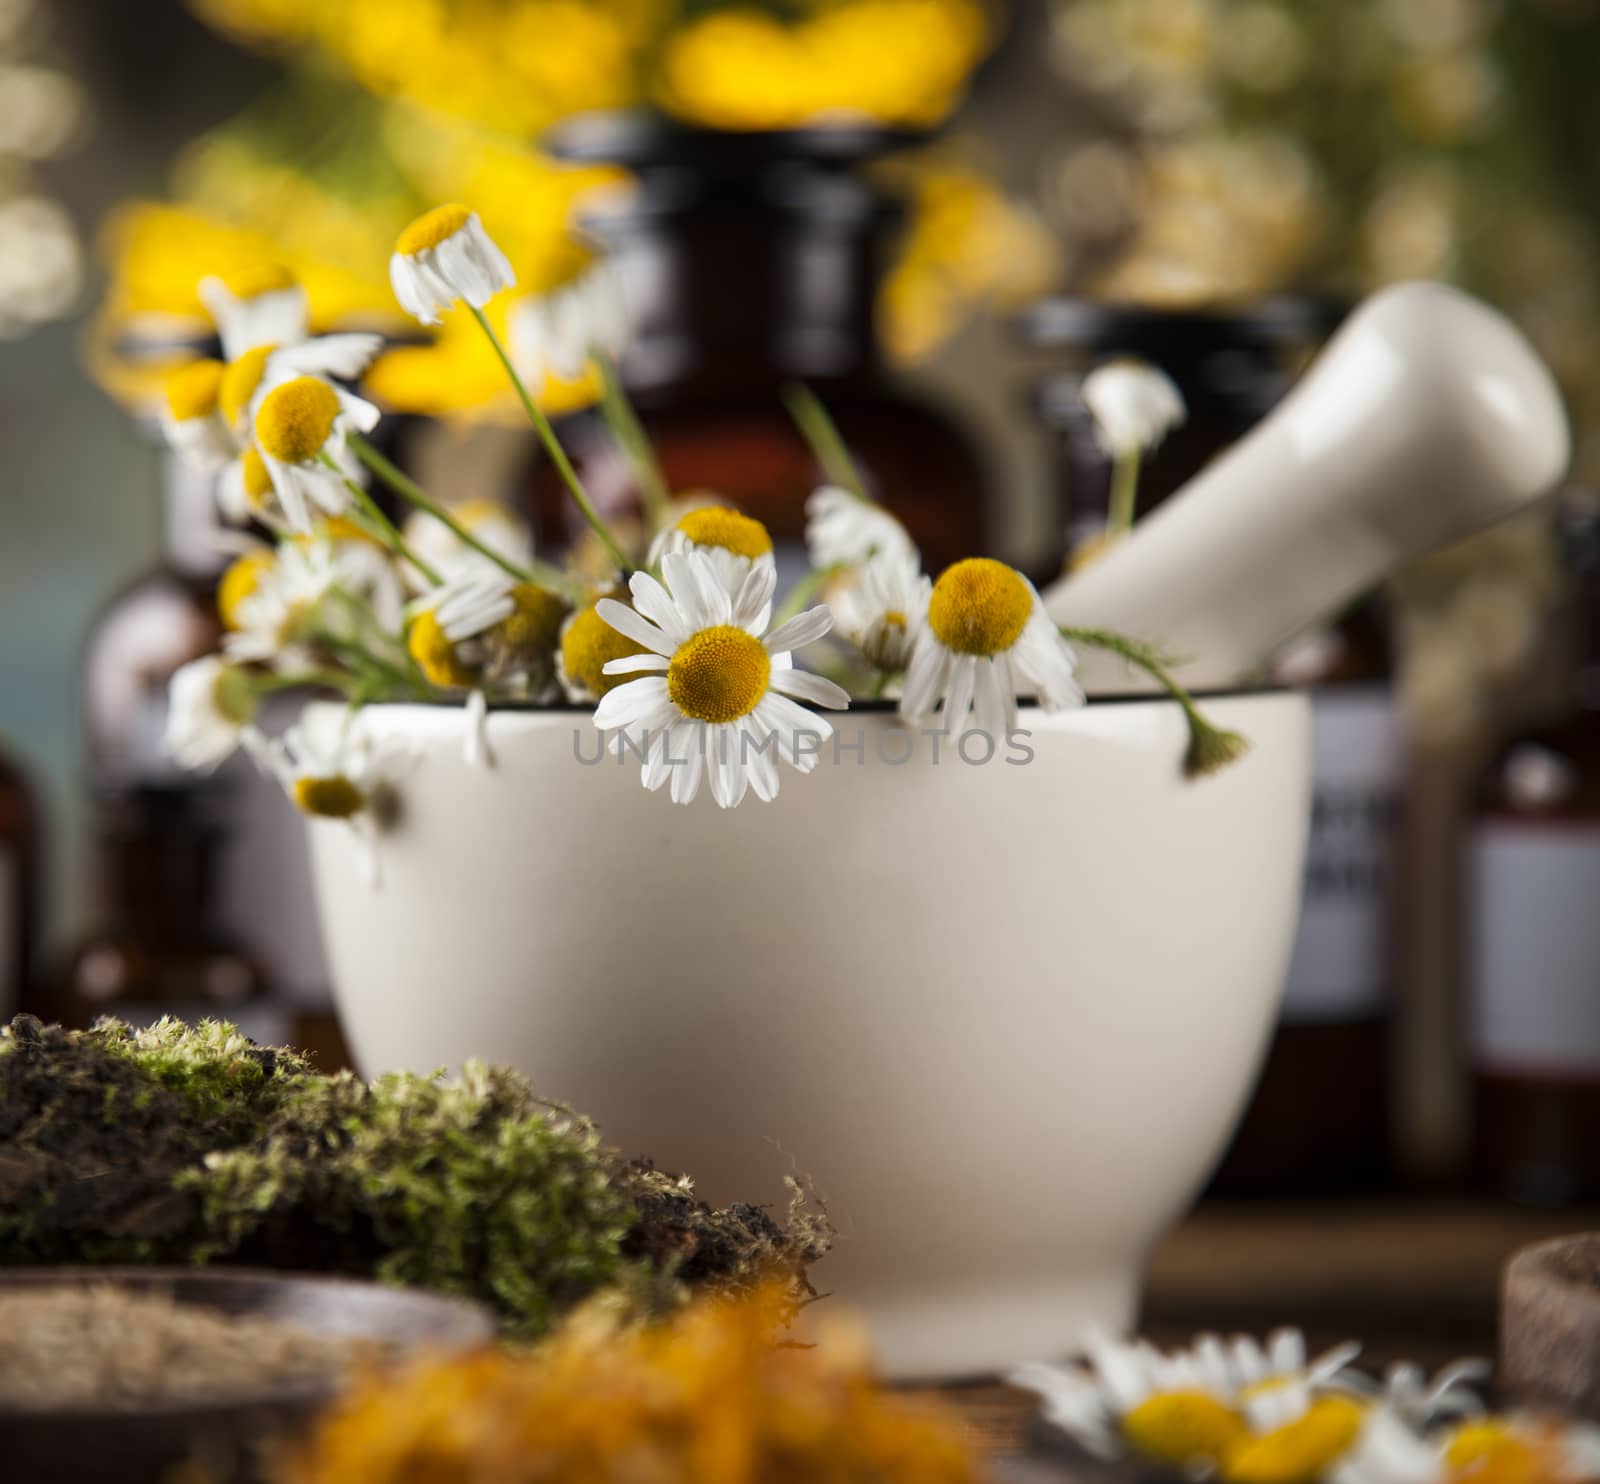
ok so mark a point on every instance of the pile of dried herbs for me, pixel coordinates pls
(180, 1144)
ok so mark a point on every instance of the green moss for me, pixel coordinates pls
(196, 1145)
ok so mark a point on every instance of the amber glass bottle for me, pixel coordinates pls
(1532, 956)
(157, 943)
(19, 886)
(1317, 1121)
(748, 261)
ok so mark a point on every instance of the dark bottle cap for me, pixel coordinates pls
(1091, 327)
(646, 141)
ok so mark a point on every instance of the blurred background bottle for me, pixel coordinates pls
(1318, 1119)
(1231, 367)
(202, 901)
(20, 875)
(749, 260)
(1532, 955)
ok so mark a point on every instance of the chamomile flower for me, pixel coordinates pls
(557, 332)
(258, 306)
(275, 608)
(1194, 1408)
(243, 577)
(844, 530)
(1505, 1449)
(1131, 1396)
(986, 640)
(734, 544)
(444, 257)
(296, 426)
(1275, 1382)
(210, 706)
(191, 419)
(587, 645)
(491, 522)
(880, 609)
(1523, 1448)
(717, 696)
(252, 374)
(484, 627)
(1134, 406)
(347, 781)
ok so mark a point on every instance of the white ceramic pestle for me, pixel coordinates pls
(1427, 417)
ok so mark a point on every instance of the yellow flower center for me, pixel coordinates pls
(296, 419)
(980, 606)
(534, 625)
(192, 390)
(430, 229)
(240, 379)
(718, 526)
(1301, 1451)
(330, 798)
(435, 655)
(589, 643)
(1183, 1427)
(258, 279)
(241, 579)
(1489, 1452)
(893, 618)
(257, 478)
(719, 674)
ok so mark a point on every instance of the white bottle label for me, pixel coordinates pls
(1534, 947)
(1340, 963)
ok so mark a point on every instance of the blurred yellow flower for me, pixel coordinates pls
(900, 62)
(710, 1396)
(457, 375)
(968, 247)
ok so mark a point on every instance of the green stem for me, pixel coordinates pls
(1124, 491)
(381, 526)
(410, 491)
(822, 437)
(635, 443)
(552, 444)
(1210, 748)
(804, 591)
(324, 679)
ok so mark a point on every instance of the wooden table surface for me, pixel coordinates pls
(1410, 1279)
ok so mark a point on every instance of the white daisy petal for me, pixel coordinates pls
(1134, 406)
(801, 630)
(627, 705)
(958, 698)
(632, 664)
(804, 686)
(655, 603)
(752, 608)
(634, 626)
(994, 701)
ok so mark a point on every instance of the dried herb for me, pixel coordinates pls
(707, 1396)
(105, 1348)
(179, 1144)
